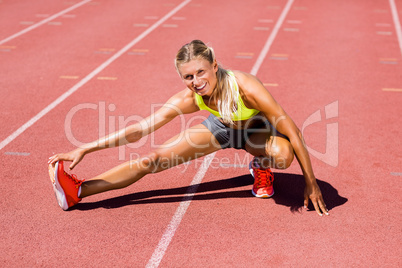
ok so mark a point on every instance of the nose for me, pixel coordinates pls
(196, 81)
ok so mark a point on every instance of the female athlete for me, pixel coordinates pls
(244, 115)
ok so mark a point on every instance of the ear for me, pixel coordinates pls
(215, 66)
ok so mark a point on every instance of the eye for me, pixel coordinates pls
(200, 72)
(188, 77)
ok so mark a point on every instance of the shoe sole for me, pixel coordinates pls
(262, 195)
(252, 190)
(58, 190)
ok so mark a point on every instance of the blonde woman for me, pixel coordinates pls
(244, 115)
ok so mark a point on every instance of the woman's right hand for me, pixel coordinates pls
(74, 156)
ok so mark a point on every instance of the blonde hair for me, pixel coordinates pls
(225, 94)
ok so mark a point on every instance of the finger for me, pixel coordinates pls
(75, 162)
(50, 159)
(323, 207)
(53, 160)
(316, 207)
(60, 157)
(305, 201)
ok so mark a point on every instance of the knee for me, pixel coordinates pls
(287, 155)
(282, 154)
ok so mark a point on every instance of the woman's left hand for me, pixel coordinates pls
(313, 192)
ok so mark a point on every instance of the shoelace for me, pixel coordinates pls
(264, 177)
(74, 178)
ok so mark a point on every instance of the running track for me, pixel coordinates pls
(335, 66)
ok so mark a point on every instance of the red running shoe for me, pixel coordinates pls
(263, 181)
(65, 186)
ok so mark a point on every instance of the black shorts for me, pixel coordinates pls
(236, 138)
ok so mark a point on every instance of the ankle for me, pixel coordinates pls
(262, 162)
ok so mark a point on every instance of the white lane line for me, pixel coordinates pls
(271, 38)
(163, 244)
(396, 22)
(178, 216)
(17, 153)
(64, 96)
(30, 28)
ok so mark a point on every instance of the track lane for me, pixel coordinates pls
(167, 237)
(34, 25)
(16, 16)
(328, 60)
(35, 65)
(55, 140)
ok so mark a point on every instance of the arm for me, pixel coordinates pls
(256, 96)
(180, 103)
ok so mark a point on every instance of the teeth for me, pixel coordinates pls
(201, 86)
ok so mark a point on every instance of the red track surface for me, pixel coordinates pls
(344, 53)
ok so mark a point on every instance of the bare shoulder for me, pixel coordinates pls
(248, 83)
(256, 96)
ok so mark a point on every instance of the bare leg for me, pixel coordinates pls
(193, 143)
(272, 151)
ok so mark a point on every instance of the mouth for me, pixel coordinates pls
(200, 87)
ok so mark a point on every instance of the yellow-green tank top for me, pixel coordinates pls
(243, 113)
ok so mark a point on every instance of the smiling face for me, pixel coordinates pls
(199, 76)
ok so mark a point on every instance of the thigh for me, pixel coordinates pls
(268, 144)
(192, 143)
